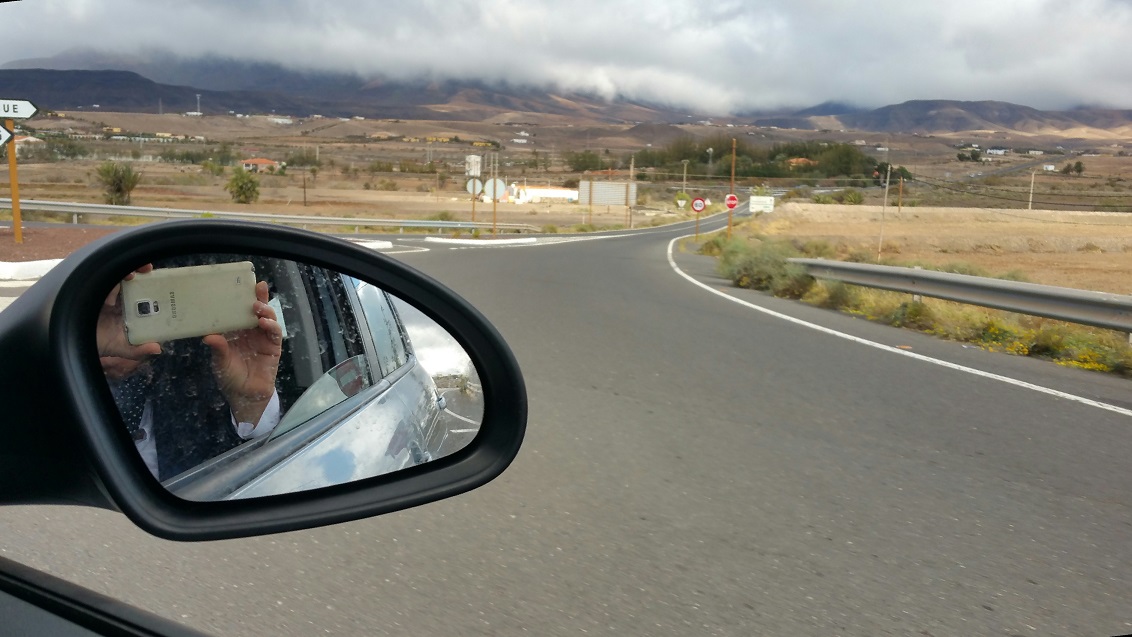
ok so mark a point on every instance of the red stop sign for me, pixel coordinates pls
(731, 201)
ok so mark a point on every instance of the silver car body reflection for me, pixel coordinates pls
(384, 435)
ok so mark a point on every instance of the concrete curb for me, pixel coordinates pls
(25, 270)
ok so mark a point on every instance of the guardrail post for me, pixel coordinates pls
(916, 298)
(75, 219)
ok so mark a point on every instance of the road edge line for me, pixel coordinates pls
(888, 348)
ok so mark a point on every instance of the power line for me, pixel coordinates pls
(941, 186)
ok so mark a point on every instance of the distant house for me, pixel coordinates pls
(1049, 168)
(25, 143)
(996, 151)
(1036, 152)
(257, 164)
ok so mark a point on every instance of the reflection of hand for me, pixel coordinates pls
(119, 359)
(246, 361)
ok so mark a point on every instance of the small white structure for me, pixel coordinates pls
(1049, 168)
(540, 194)
(996, 151)
(25, 143)
(1037, 152)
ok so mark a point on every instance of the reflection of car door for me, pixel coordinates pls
(414, 387)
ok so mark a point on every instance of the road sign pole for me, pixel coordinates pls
(474, 197)
(732, 191)
(698, 205)
(17, 226)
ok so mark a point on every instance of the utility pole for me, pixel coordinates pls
(494, 194)
(732, 191)
(710, 154)
(880, 241)
(198, 103)
(628, 189)
(684, 184)
(1030, 206)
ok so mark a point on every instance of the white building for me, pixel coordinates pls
(539, 194)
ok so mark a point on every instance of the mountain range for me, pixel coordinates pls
(158, 81)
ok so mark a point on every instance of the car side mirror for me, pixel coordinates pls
(360, 425)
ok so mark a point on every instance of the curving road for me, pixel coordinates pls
(693, 466)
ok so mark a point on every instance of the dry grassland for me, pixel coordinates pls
(1085, 250)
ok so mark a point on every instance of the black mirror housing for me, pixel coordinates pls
(64, 440)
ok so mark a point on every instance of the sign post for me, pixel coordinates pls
(473, 164)
(698, 205)
(11, 110)
(731, 200)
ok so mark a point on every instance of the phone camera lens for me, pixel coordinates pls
(145, 308)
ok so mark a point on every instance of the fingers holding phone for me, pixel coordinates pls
(246, 362)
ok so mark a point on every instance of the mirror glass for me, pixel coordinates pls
(241, 376)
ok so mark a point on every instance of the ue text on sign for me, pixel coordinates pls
(17, 109)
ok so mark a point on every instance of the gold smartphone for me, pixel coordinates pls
(173, 303)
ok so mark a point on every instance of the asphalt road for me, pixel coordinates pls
(693, 466)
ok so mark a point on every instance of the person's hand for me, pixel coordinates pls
(246, 361)
(118, 357)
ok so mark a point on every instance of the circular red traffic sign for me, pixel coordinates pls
(731, 201)
(698, 204)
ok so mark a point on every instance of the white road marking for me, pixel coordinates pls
(459, 417)
(888, 348)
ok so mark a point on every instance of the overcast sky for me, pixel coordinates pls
(721, 56)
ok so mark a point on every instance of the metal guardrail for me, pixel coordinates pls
(176, 213)
(1099, 309)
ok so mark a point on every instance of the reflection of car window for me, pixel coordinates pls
(337, 355)
(384, 327)
(346, 379)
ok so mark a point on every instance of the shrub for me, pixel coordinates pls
(118, 182)
(852, 197)
(550, 229)
(913, 314)
(816, 249)
(764, 267)
(714, 246)
(792, 282)
(243, 186)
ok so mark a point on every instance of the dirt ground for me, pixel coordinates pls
(1085, 250)
(45, 243)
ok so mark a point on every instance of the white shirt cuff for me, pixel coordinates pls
(266, 424)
